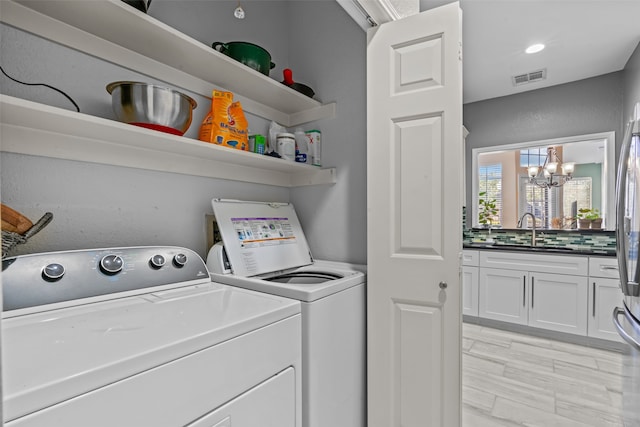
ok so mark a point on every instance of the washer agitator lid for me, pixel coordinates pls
(261, 237)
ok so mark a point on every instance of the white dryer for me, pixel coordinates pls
(265, 250)
(140, 336)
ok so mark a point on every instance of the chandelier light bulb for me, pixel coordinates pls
(552, 167)
(568, 168)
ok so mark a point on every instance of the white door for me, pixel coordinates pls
(414, 187)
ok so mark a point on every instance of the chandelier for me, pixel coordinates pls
(547, 176)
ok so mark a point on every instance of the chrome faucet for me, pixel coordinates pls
(533, 226)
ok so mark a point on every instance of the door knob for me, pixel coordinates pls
(443, 285)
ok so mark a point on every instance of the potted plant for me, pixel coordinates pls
(487, 209)
(589, 218)
(487, 212)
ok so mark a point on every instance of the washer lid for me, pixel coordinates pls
(261, 237)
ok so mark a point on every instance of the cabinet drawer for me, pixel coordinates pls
(470, 257)
(606, 267)
(558, 264)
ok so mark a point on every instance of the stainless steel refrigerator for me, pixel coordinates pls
(627, 317)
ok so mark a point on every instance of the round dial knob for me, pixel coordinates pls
(53, 272)
(111, 264)
(157, 261)
(180, 260)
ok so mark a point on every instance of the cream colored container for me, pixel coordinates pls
(286, 146)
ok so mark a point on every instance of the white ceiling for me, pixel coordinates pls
(583, 38)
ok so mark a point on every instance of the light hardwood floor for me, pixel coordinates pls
(510, 379)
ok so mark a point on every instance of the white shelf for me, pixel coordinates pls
(35, 129)
(117, 32)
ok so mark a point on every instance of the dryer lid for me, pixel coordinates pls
(261, 237)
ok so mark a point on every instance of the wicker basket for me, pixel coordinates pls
(10, 240)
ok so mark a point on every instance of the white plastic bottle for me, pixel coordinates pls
(286, 146)
(314, 137)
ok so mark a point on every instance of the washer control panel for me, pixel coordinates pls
(56, 277)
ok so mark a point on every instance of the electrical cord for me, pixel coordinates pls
(42, 84)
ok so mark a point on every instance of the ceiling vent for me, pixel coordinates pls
(531, 77)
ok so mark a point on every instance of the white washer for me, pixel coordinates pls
(266, 250)
(142, 337)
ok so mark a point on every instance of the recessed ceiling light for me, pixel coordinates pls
(535, 48)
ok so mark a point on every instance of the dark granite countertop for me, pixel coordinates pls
(540, 249)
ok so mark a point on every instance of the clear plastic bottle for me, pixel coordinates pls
(302, 146)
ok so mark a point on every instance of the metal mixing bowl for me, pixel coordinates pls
(151, 106)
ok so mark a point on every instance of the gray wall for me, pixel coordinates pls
(631, 83)
(586, 106)
(335, 218)
(164, 208)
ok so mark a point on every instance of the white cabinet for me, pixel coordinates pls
(89, 26)
(558, 302)
(564, 293)
(503, 295)
(604, 296)
(535, 290)
(470, 267)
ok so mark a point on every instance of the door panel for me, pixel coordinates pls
(416, 386)
(418, 64)
(417, 143)
(414, 193)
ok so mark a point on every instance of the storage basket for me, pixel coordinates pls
(10, 239)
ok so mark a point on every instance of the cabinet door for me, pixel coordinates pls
(470, 290)
(503, 295)
(558, 302)
(604, 295)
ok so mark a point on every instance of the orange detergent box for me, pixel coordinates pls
(225, 124)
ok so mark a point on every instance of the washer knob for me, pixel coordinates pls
(180, 260)
(53, 272)
(111, 264)
(157, 261)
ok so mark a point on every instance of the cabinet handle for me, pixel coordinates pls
(608, 267)
(524, 291)
(532, 284)
(594, 299)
